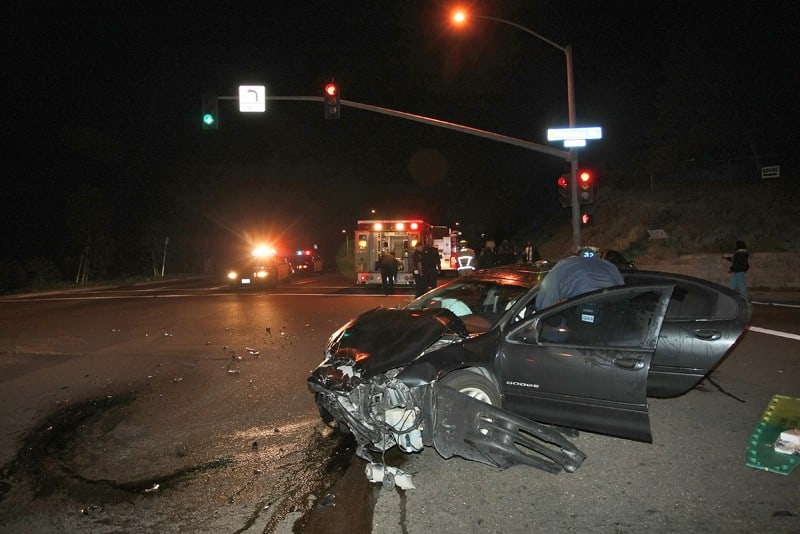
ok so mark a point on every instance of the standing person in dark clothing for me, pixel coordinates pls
(431, 265)
(506, 254)
(388, 267)
(739, 265)
(488, 256)
(416, 269)
(531, 255)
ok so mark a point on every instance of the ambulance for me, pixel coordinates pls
(445, 240)
(373, 237)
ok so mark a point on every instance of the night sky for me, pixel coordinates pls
(102, 105)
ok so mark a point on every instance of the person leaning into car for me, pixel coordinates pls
(572, 276)
(575, 275)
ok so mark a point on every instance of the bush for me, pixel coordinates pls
(41, 273)
(12, 275)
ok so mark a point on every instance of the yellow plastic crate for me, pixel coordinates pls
(782, 413)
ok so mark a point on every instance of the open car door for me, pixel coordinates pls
(703, 321)
(584, 363)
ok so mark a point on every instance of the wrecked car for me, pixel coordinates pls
(465, 367)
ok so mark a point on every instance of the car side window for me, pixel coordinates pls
(692, 301)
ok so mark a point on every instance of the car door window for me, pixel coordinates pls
(691, 300)
(618, 319)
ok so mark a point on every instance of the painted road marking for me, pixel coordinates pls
(777, 333)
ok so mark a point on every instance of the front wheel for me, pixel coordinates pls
(473, 385)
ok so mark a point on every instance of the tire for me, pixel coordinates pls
(473, 385)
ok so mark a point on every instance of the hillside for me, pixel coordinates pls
(697, 219)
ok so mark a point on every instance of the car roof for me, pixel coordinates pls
(526, 274)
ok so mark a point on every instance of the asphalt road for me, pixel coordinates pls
(185, 409)
(164, 409)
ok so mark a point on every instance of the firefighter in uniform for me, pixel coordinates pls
(466, 259)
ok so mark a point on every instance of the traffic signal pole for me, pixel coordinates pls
(573, 153)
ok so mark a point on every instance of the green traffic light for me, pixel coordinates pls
(208, 119)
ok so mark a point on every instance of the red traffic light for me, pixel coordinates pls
(562, 182)
(331, 90)
(585, 177)
(586, 218)
(332, 108)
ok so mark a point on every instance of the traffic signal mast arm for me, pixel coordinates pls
(563, 154)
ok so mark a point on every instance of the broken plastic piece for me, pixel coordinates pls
(389, 476)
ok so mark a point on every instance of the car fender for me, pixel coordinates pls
(469, 354)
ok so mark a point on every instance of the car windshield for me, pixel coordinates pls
(472, 298)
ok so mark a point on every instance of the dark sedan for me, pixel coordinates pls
(466, 368)
(306, 262)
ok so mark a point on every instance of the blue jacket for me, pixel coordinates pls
(576, 275)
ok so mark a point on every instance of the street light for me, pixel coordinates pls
(460, 18)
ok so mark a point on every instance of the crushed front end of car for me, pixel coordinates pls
(358, 386)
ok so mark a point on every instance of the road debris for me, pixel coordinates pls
(389, 476)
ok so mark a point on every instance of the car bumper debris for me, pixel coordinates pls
(382, 413)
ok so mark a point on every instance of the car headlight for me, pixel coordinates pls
(261, 274)
(336, 337)
(233, 275)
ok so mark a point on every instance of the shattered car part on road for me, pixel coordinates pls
(470, 369)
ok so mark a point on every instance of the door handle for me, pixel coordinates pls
(707, 334)
(629, 363)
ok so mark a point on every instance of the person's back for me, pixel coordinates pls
(431, 260)
(431, 264)
(388, 262)
(576, 275)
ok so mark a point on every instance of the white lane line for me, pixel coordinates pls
(777, 333)
(779, 304)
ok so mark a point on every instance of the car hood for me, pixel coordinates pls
(382, 339)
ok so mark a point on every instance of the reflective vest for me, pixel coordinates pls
(466, 261)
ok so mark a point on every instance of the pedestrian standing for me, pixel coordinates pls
(388, 267)
(431, 266)
(531, 254)
(739, 265)
(488, 256)
(416, 269)
(466, 259)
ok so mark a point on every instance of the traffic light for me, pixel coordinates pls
(563, 190)
(587, 218)
(332, 109)
(585, 187)
(210, 112)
